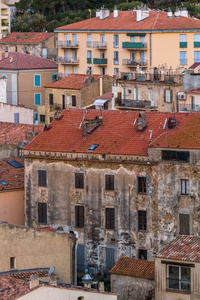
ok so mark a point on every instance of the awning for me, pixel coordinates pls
(136, 34)
(100, 102)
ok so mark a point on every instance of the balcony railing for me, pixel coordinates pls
(89, 44)
(68, 60)
(183, 45)
(189, 107)
(133, 103)
(146, 77)
(161, 77)
(133, 45)
(100, 45)
(100, 61)
(116, 61)
(89, 60)
(127, 76)
(67, 44)
(134, 63)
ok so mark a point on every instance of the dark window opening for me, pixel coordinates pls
(142, 254)
(79, 180)
(142, 186)
(110, 218)
(63, 102)
(79, 216)
(42, 118)
(42, 178)
(109, 182)
(176, 155)
(51, 119)
(51, 99)
(12, 263)
(184, 224)
(142, 220)
(73, 100)
(42, 213)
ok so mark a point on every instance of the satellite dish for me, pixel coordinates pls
(51, 271)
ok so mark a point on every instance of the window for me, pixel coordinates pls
(103, 71)
(168, 95)
(42, 118)
(116, 41)
(33, 50)
(54, 77)
(74, 36)
(103, 39)
(196, 37)
(42, 178)
(73, 100)
(183, 58)
(93, 147)
(63, 102)
(6, 49)
(25, 49)
(36, 117)
(44, 52)
(184, 188)
(132, 39)
(20, 152)
(102, 54)
(15, 48)
(75, 69)
(89, 43)
(42, 213)
(79, 180)
(142, 254)
(116, 72)
(37, 99)
(116, 57)
(36, 80)
(66, 70)
(196, 56)
(136, 96)
(80, 298)
(51, 99)
(151, 95)
(142, 39)
(184, 224)
(143, 57)
(141, 184)
(110, 218)
(16, 117)
(12, 263)
(79, 216)
(109, 182)
(179, 278)
(142, 220)
(175, 155)
(50, 119)
(182, 38)
(89, 54)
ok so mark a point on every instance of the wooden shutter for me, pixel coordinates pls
(81, 216)
(42, 213)
(110, 218)
(79, 180)
(184, 224)
(42, 178)
(171, 96)
(142, 222)
(107, 218)
(109, 182)
(164, 95)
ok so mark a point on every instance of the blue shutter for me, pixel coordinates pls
(37, 99)
(37, 80)
(36, 116)
(53, 77)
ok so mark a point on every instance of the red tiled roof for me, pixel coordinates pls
(23, 61)
(26, 274)
(126, 20)
(105, 96)
(12, 288)
(26, 37)
(47, 228)
(118, 132)
(14, 177)
(18, 134)
(185, 248)
(73, 81)
(134, 267)
(194, 91)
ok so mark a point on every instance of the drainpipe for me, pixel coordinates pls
(150, 49)
(101, 85)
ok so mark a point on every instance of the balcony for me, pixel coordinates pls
(183, 45)
(100, 45)
(89, 60)
(161, 77)
(100, 61)
(196, 44)
(89, 44)
(67, 44)
(138, 104)
(189, 107)
(146, 77)
(68, 60)
(134, 63)
(133, 45)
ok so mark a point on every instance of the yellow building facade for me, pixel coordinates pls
(125, 39)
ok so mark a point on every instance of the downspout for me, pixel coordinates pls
(17, 87)
(150, 50)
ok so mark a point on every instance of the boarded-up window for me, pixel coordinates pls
(79, 216)
(51, 99)
(73, 100)
(110, 218)
(80, 258)
(110, 258)
(142, 254)
(141, 184)
(42, 213)
(184, 223)
(42, 178)
(79, 180)
(142, 220)
(109, 182)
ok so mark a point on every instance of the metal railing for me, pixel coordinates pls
(116, 61)
(68, 60)
(135, 62)
(134, 45)
(68, 44)
(99, 45)
(127, 76)
(189, 107)
(133, 103)
(89, 44)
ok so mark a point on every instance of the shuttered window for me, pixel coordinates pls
(142, 220)
(51, 99)
(42, 178)
(184, 223)
(37, 80)
(79, 180)
(109, 182)
(142, 186)
(37, 99)
(73, 100)
(42, 213)
(110, 218)
(79, 216)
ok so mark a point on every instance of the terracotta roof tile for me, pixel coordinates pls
(134, 267)
(186, 248)
(23, 274)
(23, 61)
(126, 20)
(194, 91)
(105, 96)
(73, 81)
(118, 132)
(13, 177)
(26, 37)
(12, 288)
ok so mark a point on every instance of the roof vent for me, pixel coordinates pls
(172, 122)
(104, 13)
(141, 122)
(92, 124)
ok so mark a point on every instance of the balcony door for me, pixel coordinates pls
(132, 56)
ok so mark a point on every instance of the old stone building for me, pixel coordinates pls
(126, 181)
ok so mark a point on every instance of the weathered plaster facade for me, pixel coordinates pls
(16, 114)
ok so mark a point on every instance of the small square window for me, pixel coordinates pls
(42, 178)
(110, 218)
(142, 254)
(79, 180)
(109, 182)
(142, 185)
(12, 263)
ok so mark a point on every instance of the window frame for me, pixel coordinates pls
(140, 254)
(12, 263)
(74, 101)
(110, 221)
(109, 186)
(184, 187)
(142, 215)
(50, 98)
(45, 184)
(180, 280)
(143, 182)
(42, 213)
(35, 81)
(181, 231)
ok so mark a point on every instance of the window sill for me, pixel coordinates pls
(79, 188)
(110, 229)
(178, 291)
(143, 231)
(184, 195)
(140, 193)
(109, 190)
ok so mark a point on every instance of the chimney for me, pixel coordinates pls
(104, 13)
(142, 13)
(184, 12)
(34, 281)
(98, 13)
(92, 124)
(177, 13)
(115, 12)
(141, 122)
(101, 286)
(101, 85)
(169, 13)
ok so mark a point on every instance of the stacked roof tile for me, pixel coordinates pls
(11, 178)
(25, 38)
(134, 267)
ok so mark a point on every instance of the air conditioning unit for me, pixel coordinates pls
(181, 97)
